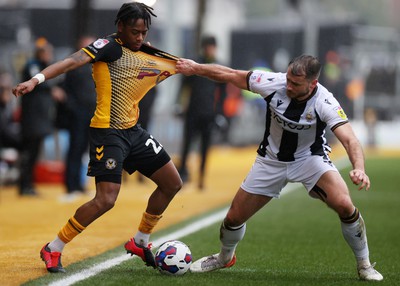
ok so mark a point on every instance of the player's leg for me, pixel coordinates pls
(264, 182)
(164, 174)
(104, 200)
(106, 165)
(232, 230)
(333, 190)
(148, 157)
(168, 184)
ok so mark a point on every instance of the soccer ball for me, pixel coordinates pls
(173, 257)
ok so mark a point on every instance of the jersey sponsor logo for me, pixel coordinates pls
(341, 113)
(161, 75)
(151, 63)
(100, 43)
(280, 102)
(290, 125)
(111, 163)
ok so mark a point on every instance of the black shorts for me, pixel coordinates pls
(133, 149)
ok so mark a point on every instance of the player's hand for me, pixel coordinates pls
(185, 66)
(24, 87)
(358, 177)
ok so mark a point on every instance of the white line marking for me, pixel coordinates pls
(192, 228)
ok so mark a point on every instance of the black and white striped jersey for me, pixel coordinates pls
(293, 129)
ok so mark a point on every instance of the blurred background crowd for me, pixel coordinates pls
(357, 41)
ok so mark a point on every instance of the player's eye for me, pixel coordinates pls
(137, 33)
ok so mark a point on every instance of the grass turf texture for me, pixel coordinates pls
(295, 240)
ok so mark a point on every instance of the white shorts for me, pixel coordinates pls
(268, 177)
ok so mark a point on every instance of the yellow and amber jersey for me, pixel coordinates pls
(122, 78)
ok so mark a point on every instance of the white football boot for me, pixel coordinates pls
(368, 273)
(210, 263)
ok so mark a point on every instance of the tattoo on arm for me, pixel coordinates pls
(79, 57)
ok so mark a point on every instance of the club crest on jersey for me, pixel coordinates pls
(100, 43)
(341, 113)
(111, 163)
(309, 115)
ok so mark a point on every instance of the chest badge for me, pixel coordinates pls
(309, 115)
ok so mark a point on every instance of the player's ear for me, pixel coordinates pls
(314, 83)
(120, 26)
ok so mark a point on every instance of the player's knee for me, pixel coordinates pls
(346, 211)
(343, 206)
(178, 185)
(172, 188)
(105, 203)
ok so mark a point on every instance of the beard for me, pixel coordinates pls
(299, 95)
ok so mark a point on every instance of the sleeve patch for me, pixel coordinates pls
(256, 77)
(341, 113)
(100, 43)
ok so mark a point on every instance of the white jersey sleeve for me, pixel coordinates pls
(266, 83)
(329, 109)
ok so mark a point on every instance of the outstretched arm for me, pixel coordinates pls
(72, 62)
(214, 72)
(346, 136)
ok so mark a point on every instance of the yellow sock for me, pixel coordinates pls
(70, 230)
(148, 222)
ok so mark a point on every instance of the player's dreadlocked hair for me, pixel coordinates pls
(306, 65)
(130, 12)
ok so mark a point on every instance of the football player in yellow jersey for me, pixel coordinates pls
(123, 70)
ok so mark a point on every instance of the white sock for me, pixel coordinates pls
(230, 237)
(56, 245)
(355, 235)
(142, 238)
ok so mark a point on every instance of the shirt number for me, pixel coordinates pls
(153, 143)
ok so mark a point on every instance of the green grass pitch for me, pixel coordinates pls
(295, 240)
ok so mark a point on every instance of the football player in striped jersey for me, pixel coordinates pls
(294, 149)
